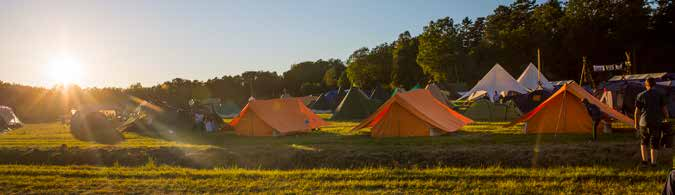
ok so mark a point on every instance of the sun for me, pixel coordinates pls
(64, 70)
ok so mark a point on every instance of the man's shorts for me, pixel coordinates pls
(650, 136)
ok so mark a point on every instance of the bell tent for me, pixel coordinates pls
(564, 112)
(275, 117)
(8, 119)
(321, 105)
(379, 94)
(355, 105)
(415, 113)
(495, 82)
(532, 79)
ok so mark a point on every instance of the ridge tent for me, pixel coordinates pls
(485, 110)
(355, 105)
(528, 79)
(275, 117)
(93, 126)
(8, 119)
(564, 112)
(495, 82)
(437, 93)
(379, 94)
(415, 113)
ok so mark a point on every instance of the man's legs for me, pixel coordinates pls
(643, 151)
(653, 154)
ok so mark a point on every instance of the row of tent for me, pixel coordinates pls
(419, 113)
(426, 112)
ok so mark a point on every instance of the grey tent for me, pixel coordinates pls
(437, 93)
(355, 105)
(93, 126)
(8, 119)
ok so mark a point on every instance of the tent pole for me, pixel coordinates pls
(560, 112)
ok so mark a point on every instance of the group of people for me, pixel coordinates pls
(206, 122)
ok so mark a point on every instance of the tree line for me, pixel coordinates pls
(451, 53)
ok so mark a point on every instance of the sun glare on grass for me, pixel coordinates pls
(65, 70)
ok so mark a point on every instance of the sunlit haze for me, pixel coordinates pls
(117, 43)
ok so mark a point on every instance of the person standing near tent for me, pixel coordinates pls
(596, 115)
(199, 119)
(650, 112)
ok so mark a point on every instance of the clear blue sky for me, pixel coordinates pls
(117, 43)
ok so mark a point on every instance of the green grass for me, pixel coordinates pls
(483, 157)
(491, 180)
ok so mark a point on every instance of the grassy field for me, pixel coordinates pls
(482, 157)
(491, 180)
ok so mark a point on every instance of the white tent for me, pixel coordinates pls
(528, 79)
(495, 82)
(8, 118)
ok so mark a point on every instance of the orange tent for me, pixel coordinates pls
(415, 113)
(564, 112)
(276, 117)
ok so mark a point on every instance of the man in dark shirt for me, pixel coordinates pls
(596, 116)
(650, 112)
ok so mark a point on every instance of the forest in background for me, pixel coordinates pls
(449, 52)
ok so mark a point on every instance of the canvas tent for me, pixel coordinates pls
(275, 117)
(355, 105)
(564, 112)
(93, 126)
(415, 113)
(8, 119)
(379, 94)
(621, 95)
(529, 101)
(484, 110)
(532, 79)
(495, 82)
(437, 93)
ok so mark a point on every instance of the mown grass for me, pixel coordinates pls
(53, 135)
(490, 180)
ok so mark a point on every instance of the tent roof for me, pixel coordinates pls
(581, 93)
(423, 105)
(529, 80)
(659, 75)
(497, 79)
(284, 115)
(379, 93)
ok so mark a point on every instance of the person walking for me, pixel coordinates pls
(650, 113)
